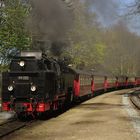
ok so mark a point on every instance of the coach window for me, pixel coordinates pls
(98, 79)
(89, 81)
(85, 80)
(81, 80)
(110, 80)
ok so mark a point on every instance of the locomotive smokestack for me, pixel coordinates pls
(57, 48)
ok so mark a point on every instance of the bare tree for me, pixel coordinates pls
(123, 50)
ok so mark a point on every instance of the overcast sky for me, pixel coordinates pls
(132, 20)
(112, 11)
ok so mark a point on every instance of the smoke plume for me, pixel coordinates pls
(50, 19)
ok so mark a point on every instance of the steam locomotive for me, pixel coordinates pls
(36, 84)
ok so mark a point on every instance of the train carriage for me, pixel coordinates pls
(137, 81)
(130, 81)
(121, 80)
(82, 83)
(111, 83)
(98, 83)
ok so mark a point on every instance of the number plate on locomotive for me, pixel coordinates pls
(23, 77)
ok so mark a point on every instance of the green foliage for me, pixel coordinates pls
(122, 53)
(100, 49)
(3, 68)
(13, 35)
(87, 48)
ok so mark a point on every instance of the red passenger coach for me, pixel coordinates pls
(76, 86)
(83, 84)
(99, 83)
(117, 83)
(121, 81)
(103, 83)
(130, 82)
(92, 85)
(106, 83)
(137, 81)
(112, 82)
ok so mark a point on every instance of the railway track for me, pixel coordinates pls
(135, 98)
(11, 126)
(7, 121)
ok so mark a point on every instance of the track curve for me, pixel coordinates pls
(135, 98)
(9, 127)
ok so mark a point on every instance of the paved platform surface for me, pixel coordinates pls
(102, 118)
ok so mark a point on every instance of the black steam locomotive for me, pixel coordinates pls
(37, 84)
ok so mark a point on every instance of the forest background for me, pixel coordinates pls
(89, 38)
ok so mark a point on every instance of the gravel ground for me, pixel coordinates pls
(101, 118)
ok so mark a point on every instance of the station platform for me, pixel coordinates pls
(107, 117)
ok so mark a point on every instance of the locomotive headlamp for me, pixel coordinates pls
(33, 88)
(10, 88)
(22, 63)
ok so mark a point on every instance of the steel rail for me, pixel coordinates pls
(12, 126)
(135, 99)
